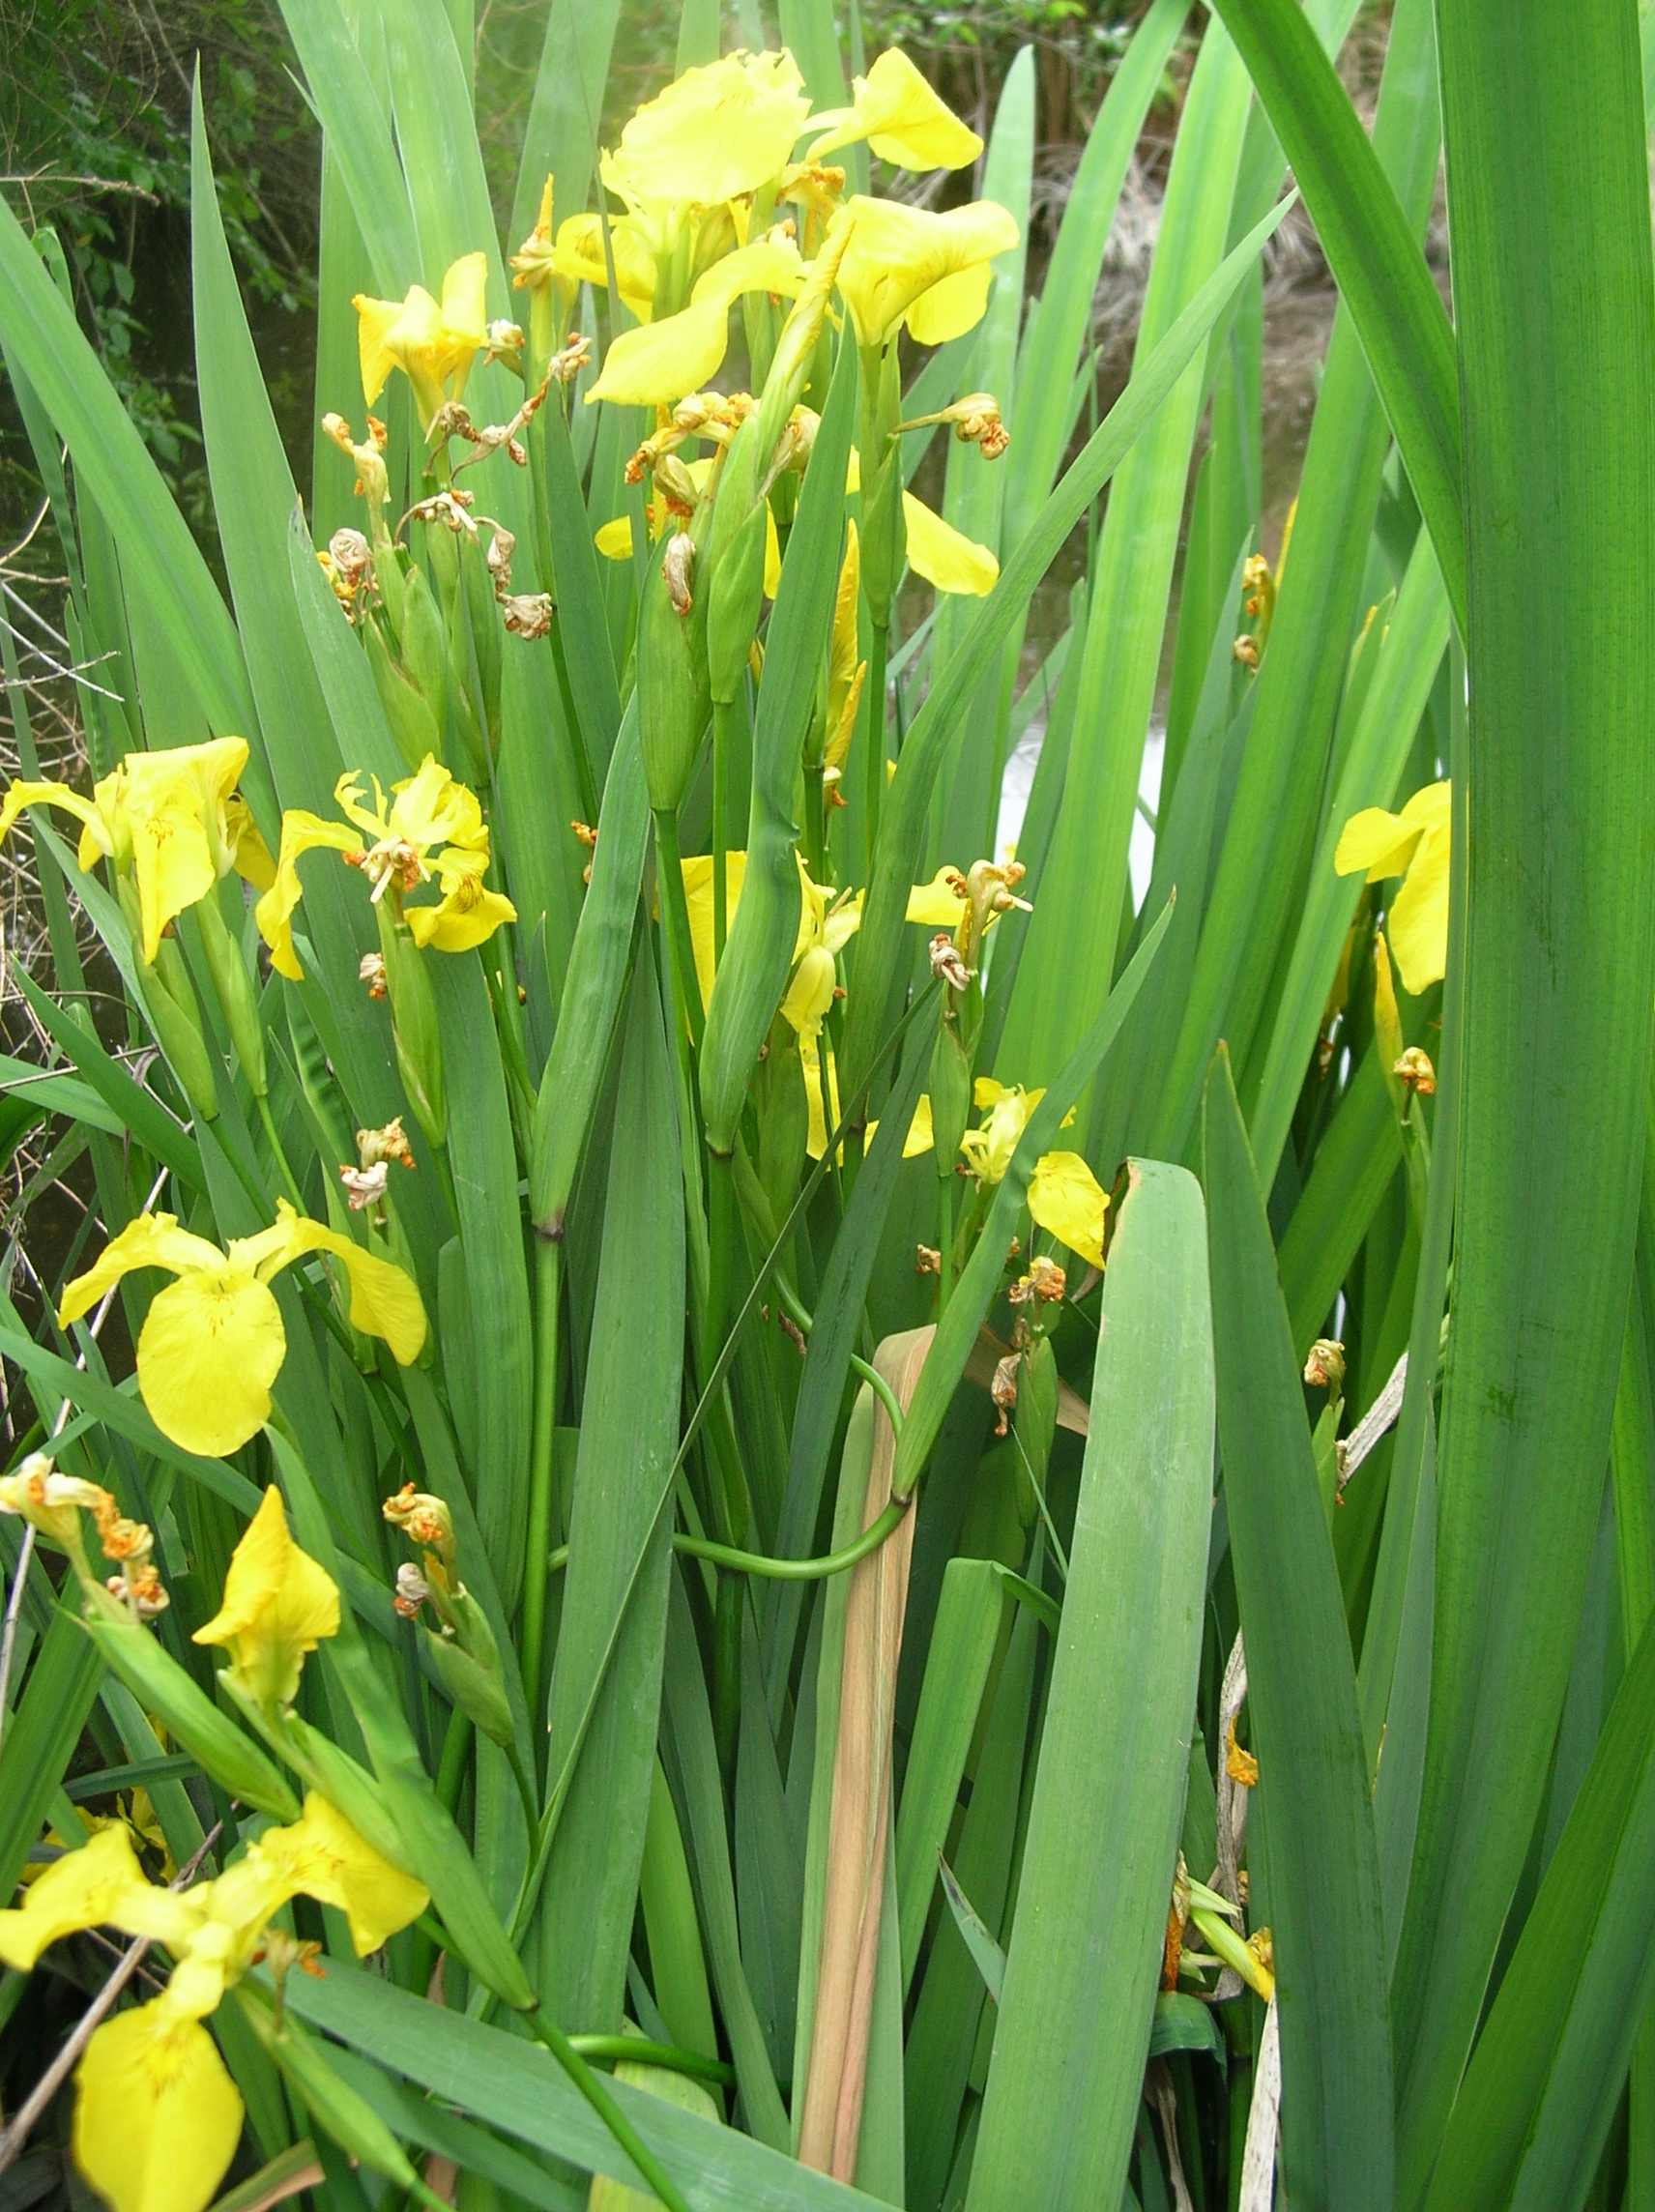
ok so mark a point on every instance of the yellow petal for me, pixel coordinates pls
(942, 556)
(384, 1299)
(934, 904)
(715, 133)
(430, 807)
(209, 1349)
(156, 2117)
(772, 555)
(902, 118)
(577, 257)
(279, 1604)
(920, 1137)
(952, 307)
(21, 794)
(301, 832)
(171, 857)
(321, 1854)
(249, 855)
(815, 1134)
(376, 319)
(615, 539)
(698, 899)
(1417, 923)
(1381, 844)
(658, 363)
(841, 922)
(465, 316)
(152, 1240)
(467, 918)
(810, 993)
(895, 254)
(80, 1890)
(1067, 1198)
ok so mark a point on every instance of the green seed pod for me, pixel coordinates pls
(234, 986)
(950, 1097)
(1033, 1423)
(176, 1023)
(413, 724)
(334, 2107)
(884, 531)
(784, 1118)
(165, 1689)
(468, 1664)
(425, 648)
(390, 577)
(413, 1023)
(674, 700)
(734, 599)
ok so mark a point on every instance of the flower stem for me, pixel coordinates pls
(542, 1461)
(592, 2087)
(722, 743)
(874, 693)
(281, 1157)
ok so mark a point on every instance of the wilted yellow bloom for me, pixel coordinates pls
(1413, 844)
(1067, 1198)
(50, 1501)
(988, 1149)
(717, 132)
(905, 264)
(902, 118)
(213, 1342)
(434, 346)
(661, 361)
(279, 1604)
(431, 826)
(156, 2117)
(172, 817)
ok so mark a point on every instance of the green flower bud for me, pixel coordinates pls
(413, 724)
(413, 1024)
(1034, 1422)
(334, 2107)
(733, 601)
(950, 1097)
(238, 1001)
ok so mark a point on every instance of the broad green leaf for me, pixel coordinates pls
(1326, 1917)
(1358, 1154)
(1082, 1968)
(560, 140)
(43, 1730)
(359, 140)
(1375, 258)
(1557, 380)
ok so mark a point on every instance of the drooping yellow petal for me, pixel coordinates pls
(430, 344)
(658, 363)
(988, 1149)
(80, 1890)
(772, 555)
(1067, 1198)
(467, 917)
(936, 904)
(384, 1299)
(902, 118)
(20, 795)
(717, 132)
(321, 1854)
(301, 834)
(249, 855)
(171, 857)
(944, 556)
(279, 1604)
(152, 1240)
(811, 992)
(156, 2117)
(1417, 923)
(614, 540)
(921, 1137)
(952, 307)
(767, 265)
(209, 1349)
(896, 254)
(376, 320)
(817, 1123)
(698, 899)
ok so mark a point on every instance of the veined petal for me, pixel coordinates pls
(935, 903)
(902, 118)
(279, 1604)
(897, 253)
(1067, 1198)
(323, 1855)
(717, 132)
(384, 1299)
(301, 832)
(156, 2117)
(171, 857)
(942, 556)
(467, 917)
(152, 1240)
(209, 1349)
(658, 363)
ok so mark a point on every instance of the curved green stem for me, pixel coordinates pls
(642, 2052)
(775, 1570)
(880, 1390)
(591, 2088)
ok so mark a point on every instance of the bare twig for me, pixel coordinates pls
(58, 2072)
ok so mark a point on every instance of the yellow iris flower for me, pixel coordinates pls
(279, 1604)
(157, 2116)
(907, 265)
(717, 132)
(1067, 1198)
(433, 345)
(902, 118)
(825, 925)
(432, 826)
(988, 1149)
(1415, 845)
(173, 817)
(576, 258)
(659, 362)
(213, 1342)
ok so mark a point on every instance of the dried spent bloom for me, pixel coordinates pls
(351, 555)
(1003, 1390)
(677, 565)
(370, 970)
(1415, 1071)
(527, 614)
(975, 421)
(364, 1186)
(928, 1260)
(1245, 650)
(412, 1590)
(1324, 1368)
(374, 1146)
(423, 1519)
(946, 963)
(1044, 1284)
(1240, 1765)
(573, 357)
